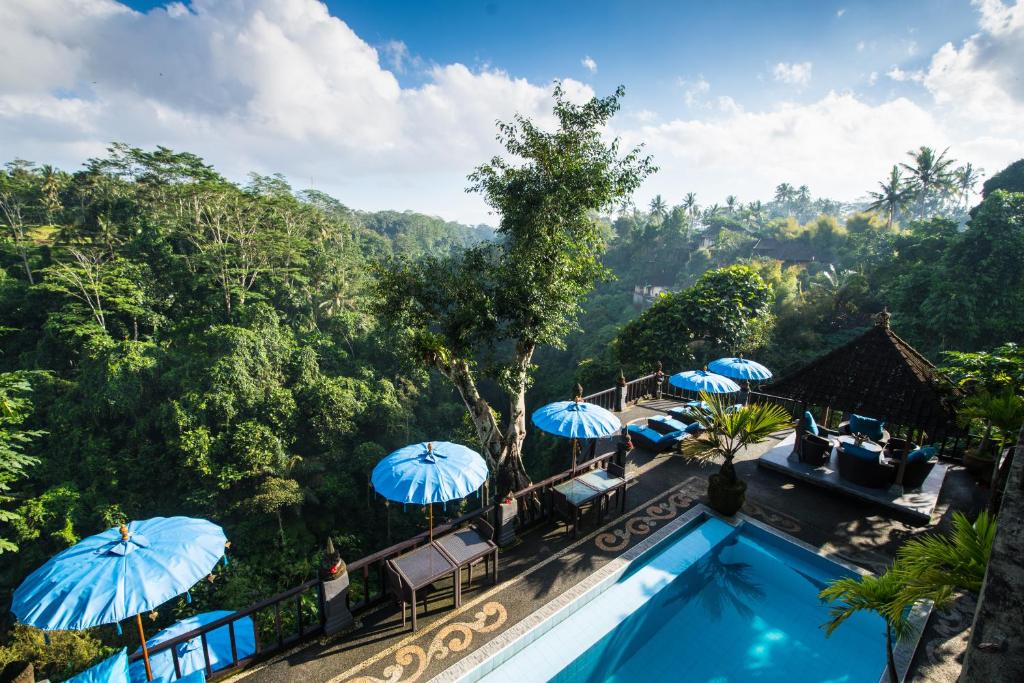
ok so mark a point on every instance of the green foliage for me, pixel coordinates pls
(15, 462)
(1010, 179)
(993, 371)
(66, 652)
(727, 310)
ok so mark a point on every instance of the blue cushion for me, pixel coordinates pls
(923, 454)
(665, 419)
(868, 426)
(809, 424)
(860, 452)
(674, 436)
(693, 428)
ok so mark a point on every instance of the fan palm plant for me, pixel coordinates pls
(725, 432)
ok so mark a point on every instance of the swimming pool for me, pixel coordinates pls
(711, 602)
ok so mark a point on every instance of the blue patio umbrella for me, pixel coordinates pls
(430, 472)
(702, 380)
(119, 573)
(111, 670)
(740, 368)
(190, 653)
(576, 420)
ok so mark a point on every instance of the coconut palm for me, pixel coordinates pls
(879, 594)
(892, 197)
(930, 175)
(725, 432)
(784, 194)
(690, 202)
(730, 204)
(966, 179)
(658, 208)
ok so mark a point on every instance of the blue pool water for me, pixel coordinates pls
(715, 604)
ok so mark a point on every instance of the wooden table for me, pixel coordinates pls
(422, 567)
(577, 494)
(465, 547)
(601, 481)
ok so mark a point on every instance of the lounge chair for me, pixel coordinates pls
(862, 467)
(664, 424)
(815, 450)
(652, 441)
(688, 411)
(807, 425)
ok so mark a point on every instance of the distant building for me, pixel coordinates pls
(790, 252)
(645, 295)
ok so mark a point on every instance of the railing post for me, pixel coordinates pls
(620, 393)
(334, 613)
(506, 514)
(659, 378)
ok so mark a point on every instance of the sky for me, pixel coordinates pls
(389, 105)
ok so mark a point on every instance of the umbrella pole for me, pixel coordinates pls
(575, 447)
(430, 507)
(145, 650)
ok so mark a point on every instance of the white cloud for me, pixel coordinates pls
(694, 91)
(797, 73)
(840, 12)
(980, 81)
(266, 86)
(873, 78)
(861, 45)
(590, 64)
(901, 76)
(911, 48)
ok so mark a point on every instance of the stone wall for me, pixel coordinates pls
(996, 650)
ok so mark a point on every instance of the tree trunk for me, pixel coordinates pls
(487, 430)
(512, 474)
(893, 677)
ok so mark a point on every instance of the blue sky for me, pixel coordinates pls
(390, 104)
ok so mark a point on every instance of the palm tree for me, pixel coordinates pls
(892, 197)
(967, 178)
(730, 204)
(690, 202)
(658, 208)
(784, 194)
(725, 432)
(930, 176)
(878, 594)
(932, 568)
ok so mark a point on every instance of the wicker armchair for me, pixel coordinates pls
(863, 471)
(815, 450)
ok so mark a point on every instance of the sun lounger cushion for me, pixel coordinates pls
(676, 425)
(868, 426)
(809, 424)
(923, 454)
(694, 427)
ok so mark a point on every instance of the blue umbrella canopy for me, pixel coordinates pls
(576, 420)
(433, 472)
(702, 380)
(740, 368)
(190, 653)
(119, 573)
(112, 670)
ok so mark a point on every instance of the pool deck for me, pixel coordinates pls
(916, 505)
(547, 562)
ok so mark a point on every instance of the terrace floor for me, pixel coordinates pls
(547, 561)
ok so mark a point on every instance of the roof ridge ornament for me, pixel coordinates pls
(883, 318)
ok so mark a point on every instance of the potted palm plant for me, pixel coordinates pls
(725, 431)
(1003, 415)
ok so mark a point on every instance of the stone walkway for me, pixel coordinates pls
(548, 561)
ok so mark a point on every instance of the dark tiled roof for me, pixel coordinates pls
(879, 375)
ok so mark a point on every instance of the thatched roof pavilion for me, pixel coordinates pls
(878, 375)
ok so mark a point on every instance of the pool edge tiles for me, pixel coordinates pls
(506, 645)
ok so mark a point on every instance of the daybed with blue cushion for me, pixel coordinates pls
(688, 411)
(653, 441)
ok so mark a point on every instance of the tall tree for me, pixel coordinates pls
(931, 177)
(892, 196)
(658, 208)
(487, 310)
(15, 408)
(967, 178)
